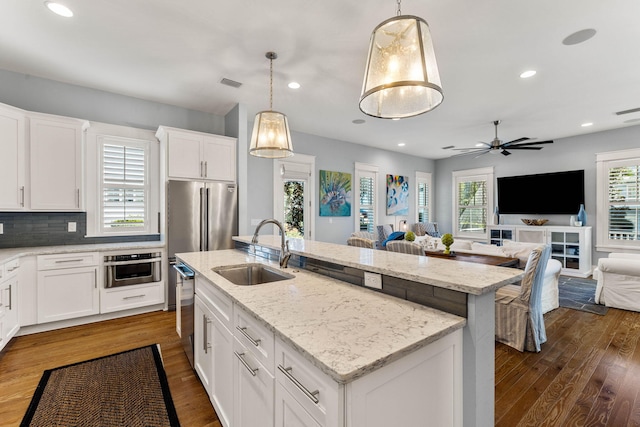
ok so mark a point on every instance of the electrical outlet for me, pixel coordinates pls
(1, 228)
(71, 227)
(372, 280)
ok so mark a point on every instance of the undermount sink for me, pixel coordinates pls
(251, 274)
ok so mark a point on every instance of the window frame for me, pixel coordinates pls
(604, 162)
(363, 170)
(424, 178)
(299, 167)
(468, 175)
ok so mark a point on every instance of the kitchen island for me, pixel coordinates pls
(348, 333)
(476, 282)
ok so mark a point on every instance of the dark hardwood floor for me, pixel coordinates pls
(25, 358)
(587, 374)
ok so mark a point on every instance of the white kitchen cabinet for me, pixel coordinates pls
(203, 362)
(197, 155)
(67, 286)
(55, 146)
(253, 390)
(12, 160)
(9, 322)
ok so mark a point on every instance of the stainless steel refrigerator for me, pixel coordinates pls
(201, 216)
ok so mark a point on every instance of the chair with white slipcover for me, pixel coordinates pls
(618, 279)
(405, 247)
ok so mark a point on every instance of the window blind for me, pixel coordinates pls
(472, 206)
(367, 201)
(423, 202)
(123, 187)
(624, 202)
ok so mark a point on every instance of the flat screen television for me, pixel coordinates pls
(547, 193)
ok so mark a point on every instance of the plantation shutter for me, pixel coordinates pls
(423, 202)
(624, 202)
(472, 206)
(367, 203)
(123, 187)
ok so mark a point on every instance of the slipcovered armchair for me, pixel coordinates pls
(618, 279)
(361, 242)
(405, 247)
(519, 319)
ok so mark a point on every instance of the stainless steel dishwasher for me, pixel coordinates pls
(185, 290)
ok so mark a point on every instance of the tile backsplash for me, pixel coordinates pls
(27, 229)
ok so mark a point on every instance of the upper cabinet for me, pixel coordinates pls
(197, 155)
(55, 160)
(12, 162)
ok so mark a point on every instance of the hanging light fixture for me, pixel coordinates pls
(401, 79)
(271, 137)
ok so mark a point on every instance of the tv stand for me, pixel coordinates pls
(569, 245)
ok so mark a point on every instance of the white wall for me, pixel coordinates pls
(564, 154)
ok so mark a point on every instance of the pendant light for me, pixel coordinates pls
(401, 79)
(271, 137)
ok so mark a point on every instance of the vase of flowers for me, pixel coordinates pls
(447, 241)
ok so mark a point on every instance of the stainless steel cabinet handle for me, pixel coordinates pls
(60, 261)
(310, 394)
(10, 299)
(78, 192)
(22, 196)
(249, 337)
(205, 335)
(95, 278)
(201, 168)
(206, 169)
(246, 365)
(134, 296)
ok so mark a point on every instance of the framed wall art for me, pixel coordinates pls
(397, 195)
(335, 193)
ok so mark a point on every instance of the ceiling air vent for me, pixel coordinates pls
(633, 110)
(230, 82)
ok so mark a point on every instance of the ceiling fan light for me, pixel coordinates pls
(401, 79)
(271, 137)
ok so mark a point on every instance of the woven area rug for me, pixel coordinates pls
(123, 389)
(579, 294)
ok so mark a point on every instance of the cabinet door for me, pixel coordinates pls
(219, 157)
(289, 412)
(184, 152)
(253, 390)
(9, 309)
(56, 164)
(12, 162)
(222, 378)
(203, 361)
(67, 293)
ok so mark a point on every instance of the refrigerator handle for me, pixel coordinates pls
(202, 204)
(206, 219)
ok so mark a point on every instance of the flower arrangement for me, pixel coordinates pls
(447, 241)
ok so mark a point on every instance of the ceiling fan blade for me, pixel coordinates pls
(516, 140)
(527, 144)
(505, 153)
(518, 147)
(479, 152)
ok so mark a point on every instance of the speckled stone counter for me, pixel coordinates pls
(344, 330)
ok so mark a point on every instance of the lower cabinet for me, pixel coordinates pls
(273, 384)
(9, 323)
(67, 286)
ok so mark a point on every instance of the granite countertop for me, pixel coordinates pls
(345, 330)
(12, 253)
(467, 277)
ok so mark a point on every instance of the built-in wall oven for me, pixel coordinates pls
(132, 269)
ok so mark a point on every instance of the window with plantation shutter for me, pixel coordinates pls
(618, 195)
(124, 185)
(473, 191)
(423, 195)
(366, 179)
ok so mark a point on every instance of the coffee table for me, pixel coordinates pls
(499, 261)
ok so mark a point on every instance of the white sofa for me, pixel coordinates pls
(510, 249)
(618, 279)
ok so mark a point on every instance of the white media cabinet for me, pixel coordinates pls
(569, 245)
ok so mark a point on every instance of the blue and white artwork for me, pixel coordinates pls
(397, 195)
(335, 193)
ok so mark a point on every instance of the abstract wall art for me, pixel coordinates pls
(335, 193)
(397, 195)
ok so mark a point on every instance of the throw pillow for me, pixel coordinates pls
(431, 228)
(396, 235)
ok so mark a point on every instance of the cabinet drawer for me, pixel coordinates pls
(53, 262)
(116, 299)
(314, 390)
(255, 337)
(219, 303)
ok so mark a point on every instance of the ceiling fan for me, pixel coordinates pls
(503, 147)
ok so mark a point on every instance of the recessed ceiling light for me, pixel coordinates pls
(59, 9)
(395, 119)
(401, 144)
(527, 74)
(294, 85)
(579, 37)
(358, 121)
(586, 125)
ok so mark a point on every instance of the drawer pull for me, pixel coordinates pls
(310, 394)
(134, 296)
(60, 261)
(249, 337)
(205, 334)
(10, 298)
(246, 365)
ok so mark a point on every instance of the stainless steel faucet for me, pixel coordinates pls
(284, 250)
